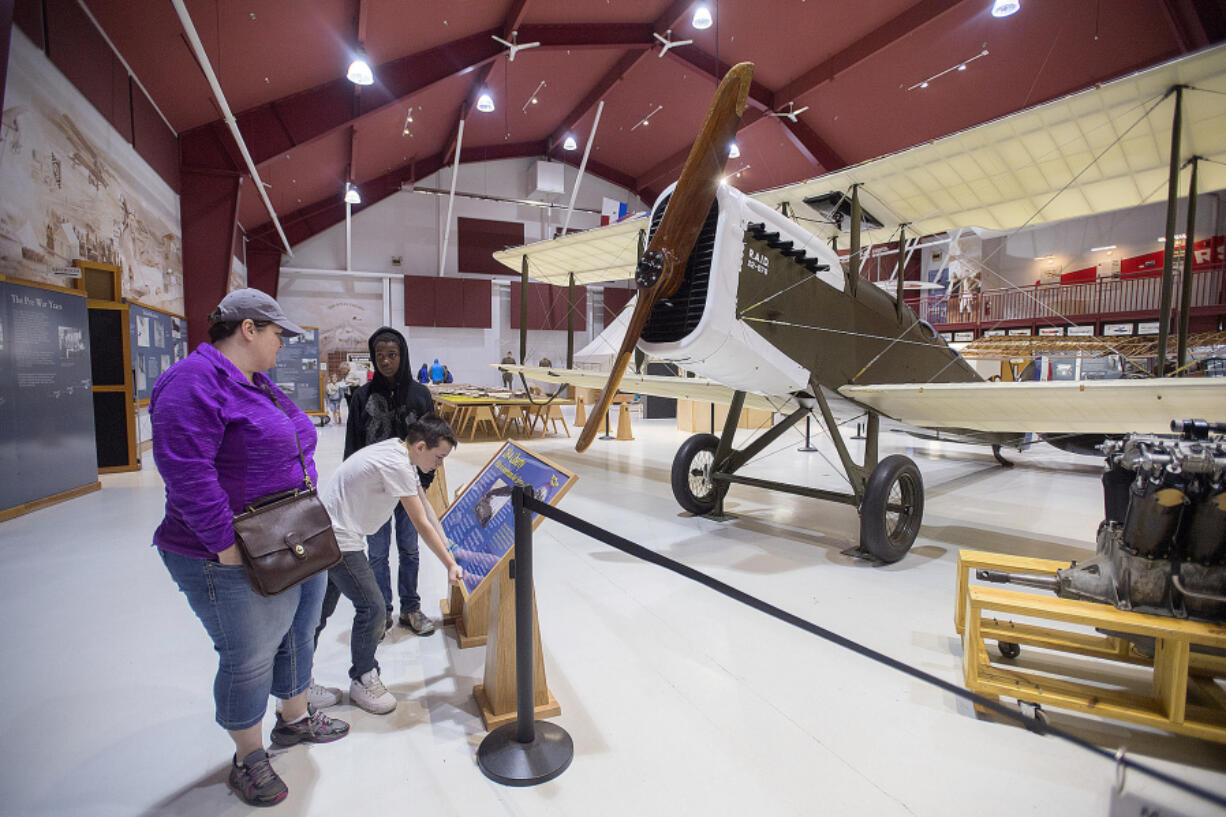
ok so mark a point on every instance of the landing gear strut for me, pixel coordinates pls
(888, 494)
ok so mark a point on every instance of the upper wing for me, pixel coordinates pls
(682, 388)
(1080, 407)
(601, 254)
(1055, 161)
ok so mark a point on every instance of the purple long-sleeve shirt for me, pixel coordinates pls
(220, 442)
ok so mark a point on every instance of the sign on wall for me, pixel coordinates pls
(46, 394)
(158, 341)
(297, 370)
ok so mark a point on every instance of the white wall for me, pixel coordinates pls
(410, 225)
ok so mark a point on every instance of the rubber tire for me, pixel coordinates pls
(699, 506)
(873, 534)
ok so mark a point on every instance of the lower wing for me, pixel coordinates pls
(1085, 406)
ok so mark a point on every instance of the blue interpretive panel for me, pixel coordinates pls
(480, 524)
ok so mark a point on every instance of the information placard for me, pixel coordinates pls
(481, 523)
(297, 370)
(158, 341)
(46, 394)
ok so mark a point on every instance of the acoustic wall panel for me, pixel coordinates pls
(418, 300)
(478, 313)
(477, 240)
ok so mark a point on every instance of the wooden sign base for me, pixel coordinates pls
(496, 697)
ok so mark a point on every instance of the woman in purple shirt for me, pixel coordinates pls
(224, 435)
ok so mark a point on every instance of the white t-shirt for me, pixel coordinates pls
(361, 495)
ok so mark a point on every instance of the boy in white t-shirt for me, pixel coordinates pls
(360, 497)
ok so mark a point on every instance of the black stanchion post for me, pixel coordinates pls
(808, 446)
(606, 435)
(528, 751)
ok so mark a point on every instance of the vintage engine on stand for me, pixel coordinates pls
(1162, 546)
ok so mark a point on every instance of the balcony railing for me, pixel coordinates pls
(1104, 299)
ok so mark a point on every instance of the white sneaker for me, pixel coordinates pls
(320, 697)
(369, 693)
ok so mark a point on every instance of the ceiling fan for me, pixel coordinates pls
(791, 113)
(514, 44)
(668, 42)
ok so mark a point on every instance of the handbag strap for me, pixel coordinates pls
(306, 476)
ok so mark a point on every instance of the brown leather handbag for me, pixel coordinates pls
(286, 538)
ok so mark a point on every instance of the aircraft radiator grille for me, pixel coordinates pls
(673, 318)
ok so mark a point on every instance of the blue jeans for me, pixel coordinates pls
(378, 544)
(354, 578)
(264, 644)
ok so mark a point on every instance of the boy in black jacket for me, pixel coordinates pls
(379, 410)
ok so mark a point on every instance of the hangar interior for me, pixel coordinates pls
(176, 151)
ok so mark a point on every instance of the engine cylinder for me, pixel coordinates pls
(1115, 492)
(1152, 519)
(1204, 531)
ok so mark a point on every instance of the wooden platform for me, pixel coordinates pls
(1183, 693)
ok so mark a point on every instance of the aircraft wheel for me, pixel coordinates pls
(888, 532)
(691, 476)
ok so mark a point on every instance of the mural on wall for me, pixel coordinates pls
(67, 195)
(345, 321)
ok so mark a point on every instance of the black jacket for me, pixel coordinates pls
(383, 409)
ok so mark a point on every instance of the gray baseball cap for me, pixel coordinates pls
(257, 305)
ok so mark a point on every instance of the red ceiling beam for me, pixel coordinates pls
(694, 59)
(312, 219)
(276, 127)
(1187, 24)
(609, 81)
(884, 35)
(515, 18)
(806, 141)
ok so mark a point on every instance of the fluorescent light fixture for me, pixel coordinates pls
(1178, 237)
(1105, 247)
(351, 195)
(485, 102)
(702, 17)
(734, 152)
(359, 70)
(1003, 8)
(570, 143)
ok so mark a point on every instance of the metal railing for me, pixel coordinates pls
(1079, 302)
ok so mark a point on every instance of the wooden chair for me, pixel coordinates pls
(482, 414)
(553, 413)
(515, 414)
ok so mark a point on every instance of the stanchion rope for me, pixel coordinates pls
(1033, 724)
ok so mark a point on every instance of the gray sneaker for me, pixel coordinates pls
(315, 728)
(255, 782)
(418, 622)
(320, 696)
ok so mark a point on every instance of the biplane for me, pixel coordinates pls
(753, 302)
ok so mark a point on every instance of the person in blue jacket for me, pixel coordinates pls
(423, 374)
(437, 372)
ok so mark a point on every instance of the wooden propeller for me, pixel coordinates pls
(662, 267)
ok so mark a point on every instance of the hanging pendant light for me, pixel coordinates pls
(1003, 8)
(702, 17)
(570, 143)
(351, 194)
(485, 102)
(359, 70)
(734, 151)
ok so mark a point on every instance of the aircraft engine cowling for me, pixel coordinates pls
(698, 328)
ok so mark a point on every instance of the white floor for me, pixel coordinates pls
(679, 701)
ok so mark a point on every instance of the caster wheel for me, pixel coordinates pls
(1009, 649)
